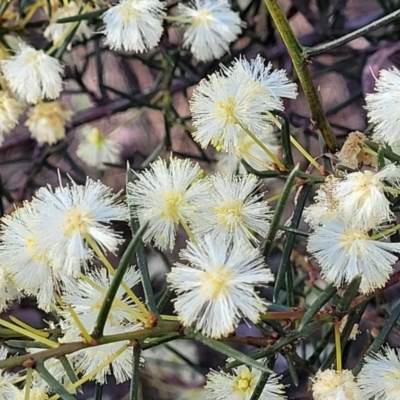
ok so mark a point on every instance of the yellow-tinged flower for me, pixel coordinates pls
(96, 149)
(240, 385)
(70, 215)
(47, 121)
(21, 254)
(56, 31)
(32, 74)
(86, 298)
(217, 287)
(363, 196)
(335, 385)
(211, 26)
(379, 378)
(343, 251)
(165, 196)
(249, 151)
(383, 107)
(134, 25)
(228, 104)
(7, 390)
(10, 111)
(233, 208)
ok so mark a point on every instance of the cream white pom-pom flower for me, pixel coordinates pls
(362, 196)
(134, 25)
(275, 82)
(32, 74)
(96, 149)
(71, 215)
(47, 120)
(55, 31)
(217, 287)
(20, 254)
(233, 209)
(325, 206)
(384, 107)
(335, 385)
(86, 299)
(7, 390)
(240, 385)
(250, 152)
(165, 196)
(10, 111)
(224, 106)
(379, 378)
(211, 27)
(8, 291)
(344, 251)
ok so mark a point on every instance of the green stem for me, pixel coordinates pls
(52, 382)
(134, 389)
(270, 154)
(187, 229)
(385, 233)
(116, 283)
(338, 347)
(279, 211)
(324, 47)
(163, 328)
(299, 62)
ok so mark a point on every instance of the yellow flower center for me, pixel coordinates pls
(393, 375)
(33, 58)
(350, 237)
(34, 394)
(244, 381)
(225, 111)
(129, 12)
(76, 219)
(364, 182)
(203, 17)
(215, 283)
(229, 214)
(172, 203)
(31, 246)
(95, 138)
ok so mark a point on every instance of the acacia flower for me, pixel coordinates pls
(211, 27)
(250, 152)
(32, 74)
(344, 251)
(86, 299)
(165, 196)
(8, 291)
(134, 25)
(10, 111)
(20, 254)
(46, 121)
(363, 196)
(233, 209)
(383, 107)
(7, 390)
(217, 287)
(56, 31)
(240, 385)
(275, 82)
(335, 385)
(96, 150)
(73, 214)
(224, 106)
(379, 378)
(325, 206)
